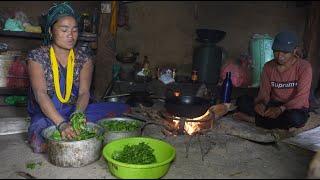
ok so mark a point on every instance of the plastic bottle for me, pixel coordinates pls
(194, 76)
(226, 89)
(174, 71)
(146, 66)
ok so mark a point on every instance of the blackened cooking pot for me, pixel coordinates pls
(187, 106)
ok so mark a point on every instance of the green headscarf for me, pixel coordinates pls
(55, 12)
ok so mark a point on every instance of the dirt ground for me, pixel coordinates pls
(229, 157)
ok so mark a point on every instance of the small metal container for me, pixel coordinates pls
(113, 99)
(74, 153)
(113, 135)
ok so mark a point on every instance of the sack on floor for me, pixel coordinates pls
(240, 72)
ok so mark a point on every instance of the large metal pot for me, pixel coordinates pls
(129, 57)
(74, 153)
(113, 135)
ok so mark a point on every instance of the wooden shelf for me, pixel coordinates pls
(29, 35)
(21, 34)
(10, 91)
(126, 2)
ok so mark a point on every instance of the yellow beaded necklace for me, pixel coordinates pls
(69, 79)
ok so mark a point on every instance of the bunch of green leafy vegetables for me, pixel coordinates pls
(33, 165)
(115, 125)
(78, 124)
(140, 153)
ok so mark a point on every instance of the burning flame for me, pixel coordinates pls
(176, 93)
(191, 127)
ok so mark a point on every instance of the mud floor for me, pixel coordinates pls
(229, 157)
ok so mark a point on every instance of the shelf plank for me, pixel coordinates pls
(29, 35)
(13, 125)
(11, 91)
(21, 34)
(126, 2)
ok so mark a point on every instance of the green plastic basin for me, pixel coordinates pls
(163, 151)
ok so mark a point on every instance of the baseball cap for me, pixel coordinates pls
(285, 41)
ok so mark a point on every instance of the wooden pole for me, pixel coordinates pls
(311, 41)
(106, 52)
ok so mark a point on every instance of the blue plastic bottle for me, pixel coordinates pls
(226, 89)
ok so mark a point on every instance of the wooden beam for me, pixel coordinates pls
(13, 125)
(311, 42)
(106, 52)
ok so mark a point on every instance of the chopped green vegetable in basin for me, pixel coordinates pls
(115, 125)
(140, 153)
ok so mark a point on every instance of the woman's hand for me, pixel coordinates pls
(66, 131)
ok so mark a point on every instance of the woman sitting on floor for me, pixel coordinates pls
(60, 77)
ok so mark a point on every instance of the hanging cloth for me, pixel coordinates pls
(69, 78)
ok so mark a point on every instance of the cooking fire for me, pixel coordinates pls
(191, 128)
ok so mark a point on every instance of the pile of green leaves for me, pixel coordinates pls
(33, 165)
(56, 135)
(115, 125)
(78, 124)
(140, 153)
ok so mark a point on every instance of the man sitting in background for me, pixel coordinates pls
(284, 91)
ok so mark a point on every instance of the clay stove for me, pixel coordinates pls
(192, 128)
